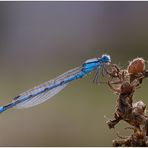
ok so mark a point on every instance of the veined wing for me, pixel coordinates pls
(45, 91)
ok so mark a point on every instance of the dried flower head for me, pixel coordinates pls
(136, 66)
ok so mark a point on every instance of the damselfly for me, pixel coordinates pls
(45, 91)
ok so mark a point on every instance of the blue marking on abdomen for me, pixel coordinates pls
(3, 108)
(87, 67)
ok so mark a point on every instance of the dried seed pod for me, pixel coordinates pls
(136, 66)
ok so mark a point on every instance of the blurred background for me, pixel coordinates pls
(41, 40)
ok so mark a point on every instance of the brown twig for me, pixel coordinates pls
(133, 113)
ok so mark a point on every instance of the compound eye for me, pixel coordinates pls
(106, 58)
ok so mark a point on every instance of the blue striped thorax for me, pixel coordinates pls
(91, 64)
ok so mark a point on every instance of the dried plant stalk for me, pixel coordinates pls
(125, 83)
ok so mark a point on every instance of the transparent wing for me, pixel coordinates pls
(37, 95)
(40, 98)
